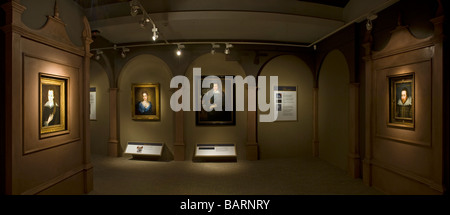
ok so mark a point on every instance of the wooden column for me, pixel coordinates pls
(367, 162)
(88, 168)
(179, 147)
(354, 160)
(13, 68)
(113, 142)
(252, 144)
(315, 143)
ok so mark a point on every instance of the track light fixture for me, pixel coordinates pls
(97, 55)
(155, 33)
(136, 6)
(142, 23)
(369, 24)
(214, 47)
(227, 48)
(124, 52)
(179, 48)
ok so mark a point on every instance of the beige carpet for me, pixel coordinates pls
(290, 176)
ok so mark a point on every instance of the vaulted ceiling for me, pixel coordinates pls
(292, 22)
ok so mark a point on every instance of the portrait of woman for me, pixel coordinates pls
(144, 107)
(145, 102)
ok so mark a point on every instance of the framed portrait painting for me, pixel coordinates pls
(401, 101)
(145, 102)
(209, 114)
(52, 105)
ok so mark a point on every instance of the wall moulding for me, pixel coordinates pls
(407, 174)
(53, 33)
(399, 140)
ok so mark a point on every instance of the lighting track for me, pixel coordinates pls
(366, 16)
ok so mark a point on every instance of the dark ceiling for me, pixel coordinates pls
(336, 3)
(96, 3)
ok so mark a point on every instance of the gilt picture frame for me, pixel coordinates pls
(53, 109)
(402, 101)
(145, 102)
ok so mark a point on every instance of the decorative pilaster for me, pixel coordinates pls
(88, 168)
(179, 147)
(12, 74)
(367, 162)
(354, 160)
(315, 143)
(113, 142)
(252, 144)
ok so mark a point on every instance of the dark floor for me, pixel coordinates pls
(290, 176)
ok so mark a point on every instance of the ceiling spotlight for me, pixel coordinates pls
(369, 24)
(134, 4)
(227, 48)
(98, 53)
(124, 52)
(155, 33)
(143, 23)
(213, 49)
(179, 49)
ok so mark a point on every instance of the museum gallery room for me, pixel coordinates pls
(236, 97)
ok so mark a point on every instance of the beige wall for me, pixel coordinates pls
(145, 69)
(333, 109)
(215, 65)
(100, 127)
(289, 139)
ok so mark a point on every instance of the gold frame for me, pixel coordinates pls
(62, 83)
(156, 100)
(393, 120)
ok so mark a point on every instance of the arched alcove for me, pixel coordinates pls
(333, 109)
(288, 139)
(99, 127)
(215, 65)
(145, 69)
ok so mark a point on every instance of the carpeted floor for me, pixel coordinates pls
(293, 176)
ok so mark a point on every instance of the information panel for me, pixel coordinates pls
(140, 148)
(286, 102)
(215, 150)
(93, 104)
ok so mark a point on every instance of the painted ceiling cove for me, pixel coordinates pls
(270, 21)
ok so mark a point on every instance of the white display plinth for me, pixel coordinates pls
(144, 149)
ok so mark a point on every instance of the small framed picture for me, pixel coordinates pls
(145, 102)
(401, 101)
(52, 105)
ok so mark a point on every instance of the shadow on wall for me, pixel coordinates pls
(288, 139)
(333, 109)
